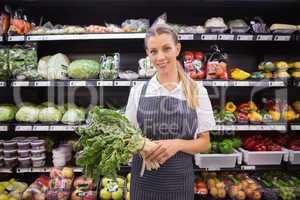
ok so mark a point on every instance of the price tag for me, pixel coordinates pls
(5, 170)
(42, 83)
(2, 84)
(220, 83)
(77, 83)
(186, 37)
(104, 83)
(37, 37)
(279, 127)
(247, 167)
(3, 128)
(40, 128)
(23, 128)
(282, 37)
(122, 83)
(209, 37)
(112, 187)
(16, 38)
(20, 83)
(24, 170)
(241, 83)
(245, 37)
(137, 82)
(212, 169)
(225, 37)
(56, 128)
(40, 169)
(264, 37)
(242, 127)
(276, 83)
(295, 127)
(254, 127)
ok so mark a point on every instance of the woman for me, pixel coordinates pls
(174, 111)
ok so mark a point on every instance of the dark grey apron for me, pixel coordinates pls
(162, 118)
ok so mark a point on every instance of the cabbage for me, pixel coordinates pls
(43, 66)
(73, 116)
(70, 106)
(50, 114)
(48, 104)
(7, 112)
(83, 69)
(28, 114)
(57, 66)
(25, 104)
(61, 108)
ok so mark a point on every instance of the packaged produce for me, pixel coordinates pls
(10, 145)
(12, 190)
(215, 25)
(37, 190)
(100, 118)
(296, 106)
(187, 29)
(128, 75)
(109, 66)
(11, 162)
(283, 28)
(230, 107)
(135, 25)
(28, 114)
(38, 153)
(73, 116)
(83, 69)
(50, 115)
(4, 22)
(258, 75)
(114, 28)
(37, 144)
(259, 26)
(73, 29)
(84, 189)
(7, 112)
(1, 161)
(200, 187)
(57, 195)
(224, 117)
(238, 26)
(216, 65)
(61, 156)
(96, 29)
(111, 189)
(38, 161)
(4, 67)
(10, 153)
(194, 66)
(146, 69)
(290, 115)
(24, 162)
(296, 73)
(23, 145)
(23, 153)
(238, 74)
(19, 24)
(261, 143)
(23, 62)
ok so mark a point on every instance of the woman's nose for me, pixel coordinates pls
(160, 55)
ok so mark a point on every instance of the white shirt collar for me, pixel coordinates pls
(156, 86)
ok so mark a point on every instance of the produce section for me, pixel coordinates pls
(51, 70)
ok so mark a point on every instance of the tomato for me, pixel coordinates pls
(193, 75)
(198, 55)
(188, 55)
(220, 71)
(201, 74)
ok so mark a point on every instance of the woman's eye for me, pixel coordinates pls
(153, 52)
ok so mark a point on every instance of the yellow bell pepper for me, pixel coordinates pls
(255, 116)
(290, 115)
(296, 106)
(275, 115)
(230, 107)
(282, 65)
(268, 74)
(252, 106)
(238, 74)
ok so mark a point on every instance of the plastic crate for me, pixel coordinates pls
(264, 157)
(213, 161)
(294, 157)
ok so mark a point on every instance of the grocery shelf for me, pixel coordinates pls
(41, 169)
(181, 36)
(120, 83)
(295, 127)
(250, 128)
(41, 127)
(243, 168)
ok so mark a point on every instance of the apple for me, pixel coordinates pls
(105, 194)
(67, 172)
(120, 182)
(106, 181)
(117, 195)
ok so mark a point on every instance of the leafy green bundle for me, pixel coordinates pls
(109, 141)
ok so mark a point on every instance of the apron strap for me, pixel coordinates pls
(143, 92)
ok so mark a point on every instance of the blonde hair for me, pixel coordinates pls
(190, 89)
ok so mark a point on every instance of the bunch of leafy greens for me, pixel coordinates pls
(108, 141)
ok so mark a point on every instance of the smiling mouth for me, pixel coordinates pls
(162, 65)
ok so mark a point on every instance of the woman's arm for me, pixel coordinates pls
(168, 148)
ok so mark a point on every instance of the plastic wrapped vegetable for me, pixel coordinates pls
(23, 62)
(73, 116)
(217, 64)
(7, 112)
(57, 66)
(4, 72)
(135, 25)
(50, 114)
(146, 69)
(83, 69)
(238, 26)
(28, 114)
(109, 66)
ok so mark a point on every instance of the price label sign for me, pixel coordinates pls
(23, 128)
(138, 82)
(16, 38)
(245, 37)
(209, 37)
(295, 127)
(77, 83)
(122, 83)
(3, 128)
(264, 37)
(42, 83)
(247, 167)
(20, 83)
(220, 83)
(276, 83)
(186, 37)
(40, 128)
(2, 84)
(56, 128)
(212, 169)
(226, 37)
(282, 37)
(104, 83)
(241, 83)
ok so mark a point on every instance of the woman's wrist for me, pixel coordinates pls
(179, 144)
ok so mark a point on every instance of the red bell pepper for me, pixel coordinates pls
(244, 107)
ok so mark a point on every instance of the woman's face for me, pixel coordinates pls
(162, 52)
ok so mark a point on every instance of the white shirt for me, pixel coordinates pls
(206, 120)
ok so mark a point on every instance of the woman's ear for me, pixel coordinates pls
(178, 48)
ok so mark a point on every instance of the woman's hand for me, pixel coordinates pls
(165, 150)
